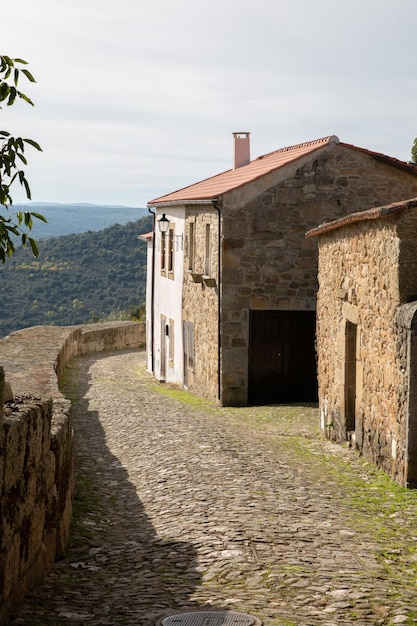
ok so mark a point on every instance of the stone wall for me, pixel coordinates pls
(359, 269)
(267, 262)
(200, 302)
(36, 448)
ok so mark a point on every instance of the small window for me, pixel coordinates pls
(163, 251)
(207, 260)
(171, 340)
(191, 345)
(171, 250)
(191, 246)
(188, 330)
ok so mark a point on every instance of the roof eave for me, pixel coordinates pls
(362, 216)
(163, 204)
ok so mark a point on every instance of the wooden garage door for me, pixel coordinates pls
(282, 360)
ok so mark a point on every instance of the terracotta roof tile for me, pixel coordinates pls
(146, 236)
(211, 188)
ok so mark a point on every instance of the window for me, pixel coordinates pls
(171, 250)
(188, 328)
(171, 340)
(207, 260)
(191, 246)
(163, 251)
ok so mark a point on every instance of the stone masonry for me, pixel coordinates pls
(367, 275)
(200, 301)
(243, 321)
(36, 448)
(267, 263)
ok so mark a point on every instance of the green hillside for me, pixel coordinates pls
(75, 279)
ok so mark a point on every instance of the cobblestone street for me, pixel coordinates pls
(183, 505)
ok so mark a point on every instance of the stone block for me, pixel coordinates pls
(231, 260)
(234, 396)
(35, 436)
(16, 433)
(1, 395)
(260, 302)
(10, 567)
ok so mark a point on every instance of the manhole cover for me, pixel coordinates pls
(209, 618)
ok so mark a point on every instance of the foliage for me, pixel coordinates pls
(76, 279)
(414, 151)
(12, 155)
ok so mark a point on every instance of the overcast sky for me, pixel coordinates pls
(135, 99)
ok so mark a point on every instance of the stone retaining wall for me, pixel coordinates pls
(36, 447)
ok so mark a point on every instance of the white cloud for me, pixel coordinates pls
(136, 99)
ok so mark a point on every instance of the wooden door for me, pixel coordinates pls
(282, 360)
(350, 377)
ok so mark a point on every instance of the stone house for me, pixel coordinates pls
(366, 335)
(232, 283)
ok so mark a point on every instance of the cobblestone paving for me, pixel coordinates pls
(184, 505)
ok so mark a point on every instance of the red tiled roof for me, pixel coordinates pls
(146, 236)
(211, 188)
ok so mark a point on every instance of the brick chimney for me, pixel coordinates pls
(241, 149)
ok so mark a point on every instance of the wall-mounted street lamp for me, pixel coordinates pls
(163, 224)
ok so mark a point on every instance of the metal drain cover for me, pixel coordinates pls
(209, 618)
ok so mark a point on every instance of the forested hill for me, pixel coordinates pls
(68, 219)
(75, 279)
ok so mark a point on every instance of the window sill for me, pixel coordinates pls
(210, 282)
(195, 276)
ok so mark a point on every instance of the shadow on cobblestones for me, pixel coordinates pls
(183, 505)
(117, 570)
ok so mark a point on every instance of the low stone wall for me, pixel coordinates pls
(36, 447)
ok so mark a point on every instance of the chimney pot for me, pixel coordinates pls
(241, 149)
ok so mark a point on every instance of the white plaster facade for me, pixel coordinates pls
(164, 298)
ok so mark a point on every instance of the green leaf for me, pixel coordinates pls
(34, 247)
(12, 96)
(40, 217)
(25, 98)
(4, 91)
(28, 220)
(33, 143)
(22, 158)
(28, 76)
(27, 189)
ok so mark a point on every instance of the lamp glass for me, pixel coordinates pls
(163, 224)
